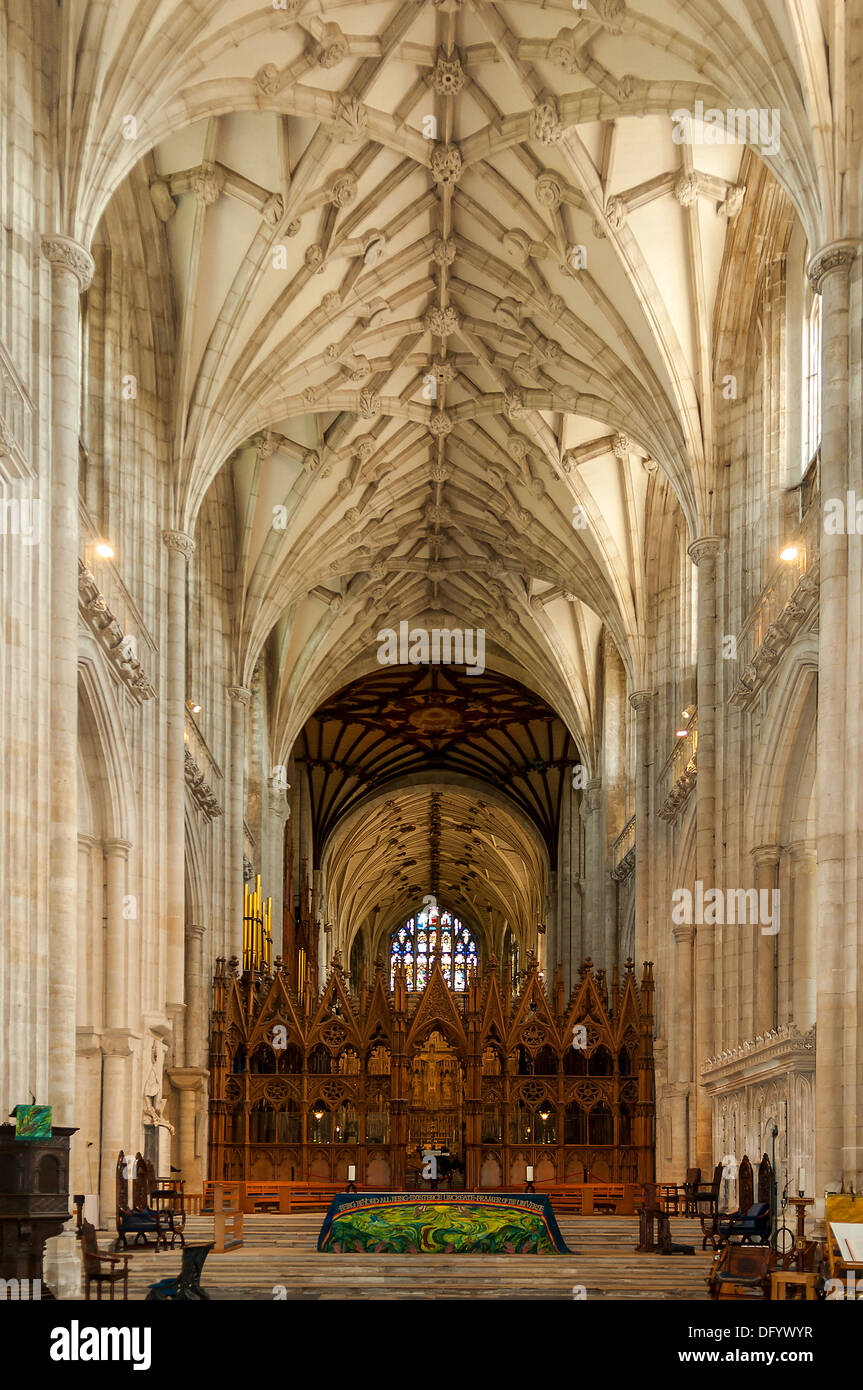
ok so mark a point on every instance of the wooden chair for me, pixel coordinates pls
(705, 1199)
(135, 1217)
(184, 1287)
(168, 1199)
(765, 1182)
(94, 1259)
(710, 1222)
(753, 1226)
(740, 1272)
(684, 1191)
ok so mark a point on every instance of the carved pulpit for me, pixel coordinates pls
(34, 1201)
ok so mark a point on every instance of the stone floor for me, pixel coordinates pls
(279, 1259)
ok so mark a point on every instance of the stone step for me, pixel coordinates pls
(579, 1232)
(280, 1251)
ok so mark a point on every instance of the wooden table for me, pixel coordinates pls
(781, 1280)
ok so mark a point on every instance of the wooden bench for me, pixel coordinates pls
(227, 1203)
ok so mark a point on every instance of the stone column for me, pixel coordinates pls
(194, 1077)
(119, 1127)
(240, 698)
(594, 872)
(116, 934)
(680, 1047)
(829, 275)
(71, 273)
(190, 1082)
(279, 812)
(703, 553)
(196, 1033)
(804, 916)
(180, 548)
(640, 701)
(762, 952)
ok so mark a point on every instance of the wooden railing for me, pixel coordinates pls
(287, 1198)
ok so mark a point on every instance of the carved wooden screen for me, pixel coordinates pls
(504, 1080)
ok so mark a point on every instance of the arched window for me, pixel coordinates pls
(414, 946)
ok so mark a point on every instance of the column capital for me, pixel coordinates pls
(179, 541)
(117, 1042)
(67, 254)
(683, 933)
(836, 255)
(801, 851)
(640, 699)
(704, 548)
(239, 694)
(86, 842)
(197, 932)
(765, 854)
(116, 849)
(188, 1078)
(591, 801)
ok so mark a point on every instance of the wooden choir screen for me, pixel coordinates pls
(301, 1090)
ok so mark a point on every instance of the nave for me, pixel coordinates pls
(431, 597)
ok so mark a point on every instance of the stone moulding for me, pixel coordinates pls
(16, 415)
(200, 789)
(783, 1046)
(680, 792)
(110, 636)
(798, 613)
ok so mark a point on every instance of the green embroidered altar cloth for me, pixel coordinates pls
(441, 1223)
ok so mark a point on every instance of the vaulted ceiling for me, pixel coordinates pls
(411, 725)
(444, 292)
(476, 854)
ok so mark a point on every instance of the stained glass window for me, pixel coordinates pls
(415, 943)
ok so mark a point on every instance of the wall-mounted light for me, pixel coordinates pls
(680, 733)
(789, 554)
(318, 1111)
(196, 709)
(104, 550)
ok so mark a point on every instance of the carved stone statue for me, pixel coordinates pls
(154, 1101)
